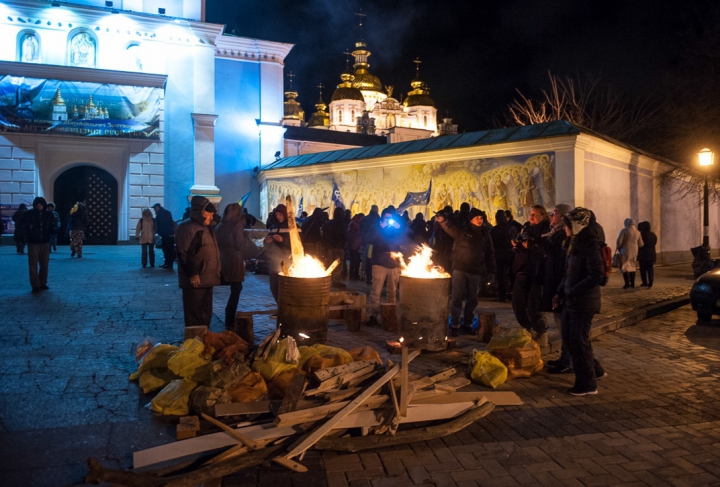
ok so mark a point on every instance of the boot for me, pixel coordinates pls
(632, 279)
(650, 283)
(626, 277)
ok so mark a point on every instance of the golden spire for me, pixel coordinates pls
(291, 108)
(320, 105)
(320, 118)
(58, 99)
(90, 103)
(420, 94)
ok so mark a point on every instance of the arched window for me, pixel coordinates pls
(352, 115)
(82, 49)
(133, 59)
(339, 116)
(28, 47)
(390, 121)
(425, 120)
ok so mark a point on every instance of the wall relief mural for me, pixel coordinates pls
(515, 183)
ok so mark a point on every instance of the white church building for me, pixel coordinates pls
(126, 103)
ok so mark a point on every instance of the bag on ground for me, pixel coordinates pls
(173, 399)
(487, 369)
(509, 338)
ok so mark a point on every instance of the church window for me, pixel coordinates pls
(28, 47)
(390, 121)
(425, 120)
(83, 47)
(339, 116)
(352, 115)
(133, 58)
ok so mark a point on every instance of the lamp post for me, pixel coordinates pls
(706, 157)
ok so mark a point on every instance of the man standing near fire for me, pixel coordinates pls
(473, 258)
(387, 237)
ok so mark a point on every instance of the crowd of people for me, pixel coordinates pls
(551, 267)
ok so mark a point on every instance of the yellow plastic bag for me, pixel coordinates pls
(326, 357)
(521, 361)
(173, 399)
(487, 369)
(156, 358)
(155, 379)
(509, 338)
(275, 363)
(188, 359)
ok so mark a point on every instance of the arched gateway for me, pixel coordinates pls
(98, 190)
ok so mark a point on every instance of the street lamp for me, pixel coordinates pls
(706, 157)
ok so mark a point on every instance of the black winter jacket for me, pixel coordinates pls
(501, 235)
(386, 241)
(164, 223)
(473, 250)
(231, 242)
(334, 232)
(584, 271)
(80, 219)
(197, 251)
(647, 253)
(38, 224)
(552, 267)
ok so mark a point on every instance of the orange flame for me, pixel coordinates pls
(308, 267)
(420, 265)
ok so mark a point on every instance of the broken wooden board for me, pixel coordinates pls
(452, 385)
(248, 442)
(499, 398)
(335, 396)
(360, 379)
(200, 444)
(330, 372)
(296, 246)
(335, 377)
(257, 407)
(342, 414)
(321, 412)
(415, 413)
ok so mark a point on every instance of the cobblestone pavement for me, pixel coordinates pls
(65, 396)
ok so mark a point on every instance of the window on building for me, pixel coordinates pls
(83, 47)
(352, 115)
(133, 60)
(339, 116)
(425, 120)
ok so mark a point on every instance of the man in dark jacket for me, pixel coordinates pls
(579, 294)
(502, 244)
(366, 227)
(166, 229)
(442, 243)
(198, 262)
(19, 233)
(646, 254)
(37, 225)
(231, 242)
(277, 247)
(310, 235)
(473, 258)
(333, 238)
(386, 238)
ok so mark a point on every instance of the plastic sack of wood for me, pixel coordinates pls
(278, 387)
(521, 361)
(203, 399)
(509, 338)
(249, 389)
(157, 358)
(365, 353)
(224, 345)
(154, 379)
(188, 359)
(173, 399)
(326, 357)
(487, 369)
(229, 375)
(276, 361)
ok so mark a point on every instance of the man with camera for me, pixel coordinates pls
(527, 290)
(387, 237)
(473, 258)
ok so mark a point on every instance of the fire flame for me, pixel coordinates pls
(308, 267)
(420, 265)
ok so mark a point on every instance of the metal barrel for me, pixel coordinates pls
(423, 312)
(303, 308)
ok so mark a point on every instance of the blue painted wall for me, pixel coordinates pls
(237, 142)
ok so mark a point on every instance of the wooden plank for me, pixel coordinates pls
(499, 398)
(290, 464)
(339, 380)
(428, 381)
(360, 379)
(335, 396)
(257, 407)
(248, 442)
(415, 413)
(321, 412)
(296, 246)
(270, 344)
(424, 394)
(330, 372)
(404, 382)
(338, 418)
(200, 444)
(452, 385)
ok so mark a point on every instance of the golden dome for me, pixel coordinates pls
(363, 79)
(292, 109)
(90, 103)
(346, 91)
(420, 94)
(320, 118)
(58, 99)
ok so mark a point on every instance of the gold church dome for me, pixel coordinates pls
(320, 118)
(292, 108)
(367, 81)
(420, 94)
(90, 103)
(346, 91)
(58, 99)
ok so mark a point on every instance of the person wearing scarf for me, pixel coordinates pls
(579, 296)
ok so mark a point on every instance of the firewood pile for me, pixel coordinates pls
(358, 405)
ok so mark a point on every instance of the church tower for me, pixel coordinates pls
(293, 114)
(419, 107)
(59, 113)
(347, 103)
(320, 118)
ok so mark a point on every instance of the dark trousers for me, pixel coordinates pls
(148, 248)
(197, 305)
(38, 256)
(354, 263)
(367, 264)
(647, 272)
(465, 287)
(168, 248)
(565, 357)
(274, 283)
(576, 334)
(526, 303)
(502, 275)
(20, 243)
(232, 304)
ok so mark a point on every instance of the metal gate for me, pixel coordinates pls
(97, 189)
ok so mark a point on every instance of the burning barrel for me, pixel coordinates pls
(303, 308)
(423, 313)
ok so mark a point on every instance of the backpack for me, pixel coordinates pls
(607, 255)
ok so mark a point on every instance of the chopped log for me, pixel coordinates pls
(244, 327)
(337, 419)
(284, 268)
(99, 474)
(405, 437)
(194, 331)
(486, 326)
(389, 317)
(296, 246)
(452, 385)
(352, 319)
(184, 431)
(248, 442)
(293, 395)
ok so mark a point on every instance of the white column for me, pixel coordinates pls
(204, 157)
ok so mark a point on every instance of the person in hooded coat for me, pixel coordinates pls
(354, 245)
(198, 261)
(310, 235)
(19, 234)
(333, 240)
(579, 297)
(277, 248)
(502, 236)
(78, 223)
(418, 230)
(145, 234)
(366, 228)
(231, 243)
(37, 224)
(628, 243)
(646, 254)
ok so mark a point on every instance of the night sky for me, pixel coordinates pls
(474, 54)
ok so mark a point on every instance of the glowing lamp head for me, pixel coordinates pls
(706, 157)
